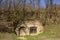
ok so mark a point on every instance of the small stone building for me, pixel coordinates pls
(31, 27)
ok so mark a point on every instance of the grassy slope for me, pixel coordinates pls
(7, 36)
(52, 32)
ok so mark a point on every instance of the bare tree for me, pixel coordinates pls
(0, 4)
(38, 3)
(31, 4)
(51, 8)
(46, 12)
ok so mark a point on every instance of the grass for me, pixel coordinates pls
(51, 32)
(37, 37)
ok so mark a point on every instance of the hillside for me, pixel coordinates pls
(52, 32)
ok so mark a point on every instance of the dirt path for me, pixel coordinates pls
(52, 39)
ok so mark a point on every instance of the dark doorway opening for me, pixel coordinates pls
(22, 30)
(33, 29)
(22, 27)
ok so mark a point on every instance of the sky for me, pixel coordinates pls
(55, 2)
(42, 3)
